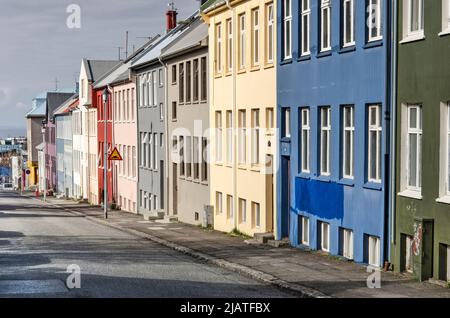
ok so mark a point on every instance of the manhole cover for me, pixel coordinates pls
(50, 286)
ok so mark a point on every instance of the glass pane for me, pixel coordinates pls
(414, 15)
(412, 160)
(347, 154)
(373, 155)
(373, 116)
(325, 29)
(412, 117)
(324, 155)
(348, 17)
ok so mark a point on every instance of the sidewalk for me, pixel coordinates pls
(308, 274)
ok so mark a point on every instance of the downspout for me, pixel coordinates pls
(166, 123)
(235, 117)
(393, 135)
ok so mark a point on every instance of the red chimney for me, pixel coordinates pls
(171, 15)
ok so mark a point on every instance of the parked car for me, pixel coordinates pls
(7, 187)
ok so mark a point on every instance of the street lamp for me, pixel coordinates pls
(105, 153)
(44, 168)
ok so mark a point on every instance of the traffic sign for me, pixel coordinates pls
(115, 155)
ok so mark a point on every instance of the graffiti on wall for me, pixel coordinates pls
(417, 238)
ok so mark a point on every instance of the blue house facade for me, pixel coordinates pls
(333, 113)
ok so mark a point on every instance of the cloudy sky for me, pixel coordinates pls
(36, 46)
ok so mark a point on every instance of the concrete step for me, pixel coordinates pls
(153, 215)
(279, 243)
(264, 237)
(170, 218)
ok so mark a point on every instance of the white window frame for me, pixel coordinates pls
(219, 136)
(218, 51)
(287, 24)
(230, 206)
(445, 17)
(219, 202)
(305, 27)
(374, 20)
(347, 244)
(242, 211)
(242, 40)
(256, 215)
(270, 33)
(444, 156)
(256, 50)
(348, 26)
(305, 129)
(374, 128)
(230, 51)
(325, 228)
(374, 251)
(325, 138)
(348, 141)
(325, 14)
(418, 132)
(410, 33)
(230, 130)
(256, 137)
(305, 231)
(242, 117)
(287, 122)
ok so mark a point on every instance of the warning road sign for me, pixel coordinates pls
(115, 155)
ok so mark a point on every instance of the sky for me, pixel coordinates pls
(37, 46)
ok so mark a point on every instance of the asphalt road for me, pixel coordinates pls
(37, 244)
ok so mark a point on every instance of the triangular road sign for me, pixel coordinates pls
(115, 155)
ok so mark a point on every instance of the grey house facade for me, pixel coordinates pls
(188, 123)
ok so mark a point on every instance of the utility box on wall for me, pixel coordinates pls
(208, 216)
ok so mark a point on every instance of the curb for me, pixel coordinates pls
(300, 291)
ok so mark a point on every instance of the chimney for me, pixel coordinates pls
(171, 16)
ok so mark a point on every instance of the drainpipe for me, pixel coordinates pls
(393, 91)
(235, 117)
(166, 122)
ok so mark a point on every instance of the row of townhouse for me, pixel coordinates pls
(324, 123)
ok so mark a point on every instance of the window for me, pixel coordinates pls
(324, 238)
(174, 110)
(287, 30)
(347, 243)
(218, 202)
(348, 23)
(348, 141)
(181, 83)
(414, 147)
(374, 20)
(373, 251)
(83, 88)
(196, 81)
(445, 16)
(230, 130)
(287, 123)
(150, 88)
(134, 162)
(154, 89)
(242, 210)
(161, 77)
(150, 151)
(242, 53)
(229, 45)
(145, 151)
(218, 50)
(174, 74)
(161, 111)
(304, 238)
(188, 154)
(414, 17)
(374, 143)
(270, 25)
(132, 104)
(219, 136)
(447, 188)
(204, 79)
(305, 137)
(255, 136)
(181, 155)
(155, 151)
(255, 37)
(128, 105)
(204, 159)
(242, 137)
(196, 159)
(305, 30)
(325, 25)
(325, 132)
(188, 81)
(270, 120)
(256, 215)
(408, 253)
(230, 207)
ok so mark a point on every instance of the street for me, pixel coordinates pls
(38, 243)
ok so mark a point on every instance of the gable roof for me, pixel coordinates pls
(66, 106)
(95, 69)
(54, 100)
(211, 4)
(40, 103)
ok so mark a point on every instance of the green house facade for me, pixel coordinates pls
(421, 201)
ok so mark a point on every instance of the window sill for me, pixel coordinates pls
(444, 32)
(413, 38)
(286, 61)
(324, 54)
(374, 43)
(227, 74)
(373, 186)
(218, 75)
(444, 199)
(306, 57)
(285, 139)
(305, 175)
(323, 178)
(347, 49)
(255, 68)
(268, 66)
(241, 71)
(255, 168)
(347, 182)
(411, 194)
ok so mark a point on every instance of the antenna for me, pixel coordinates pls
(126, 45)
(171, 5)
(56, 84)
(119, 48)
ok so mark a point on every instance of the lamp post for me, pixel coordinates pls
(44, 168)
(105, 154)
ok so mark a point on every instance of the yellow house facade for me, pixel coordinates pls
(242, 51)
